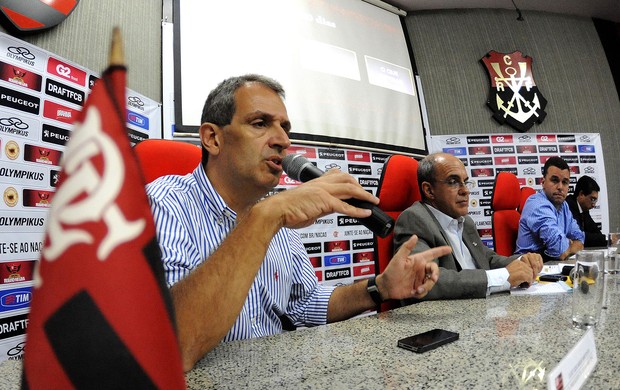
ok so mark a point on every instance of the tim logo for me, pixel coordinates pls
(16, 298)
(587, 149)
(514, 97)
(456, 151)
(138, 120)
(342, 259)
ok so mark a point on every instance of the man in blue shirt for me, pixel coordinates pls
(547, 225)
(236, 266)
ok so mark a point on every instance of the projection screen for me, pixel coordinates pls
(345, 66)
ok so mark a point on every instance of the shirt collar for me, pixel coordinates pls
(446, 221)
(212, 197)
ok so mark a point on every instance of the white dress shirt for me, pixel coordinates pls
(497, 279)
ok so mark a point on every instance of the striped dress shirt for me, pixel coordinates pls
(192, 220)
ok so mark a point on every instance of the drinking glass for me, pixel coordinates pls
(588, 288)
(613, 253)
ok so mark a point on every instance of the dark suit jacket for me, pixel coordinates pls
(594, 237)
(453, 282)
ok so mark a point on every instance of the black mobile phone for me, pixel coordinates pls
(428, 340)
(552, 278)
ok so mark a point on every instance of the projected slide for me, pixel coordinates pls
(344, 65)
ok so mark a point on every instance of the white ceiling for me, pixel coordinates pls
(602, 9)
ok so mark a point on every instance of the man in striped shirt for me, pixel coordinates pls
(236, 267)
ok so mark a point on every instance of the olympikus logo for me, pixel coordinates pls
(21, 221)
(135, 102)
(14, 126)
(21, 54)
(21, 174)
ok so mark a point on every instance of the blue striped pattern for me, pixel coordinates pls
(192, 220)
(542, 227)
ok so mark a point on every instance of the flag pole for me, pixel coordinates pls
(117, 56)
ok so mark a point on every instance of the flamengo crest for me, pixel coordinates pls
(514, 97)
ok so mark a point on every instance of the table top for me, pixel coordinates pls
(505, 342)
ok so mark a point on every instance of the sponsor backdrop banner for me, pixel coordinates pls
(340, 248)
(40, 94)
(524, 155)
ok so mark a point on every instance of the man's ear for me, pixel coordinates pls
(428, 190)
(210, 137)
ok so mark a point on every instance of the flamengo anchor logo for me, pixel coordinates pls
(71, 209)
(514, 97)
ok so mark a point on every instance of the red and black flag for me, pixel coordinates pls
(101, 315)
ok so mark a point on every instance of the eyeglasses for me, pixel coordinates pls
(455, 184)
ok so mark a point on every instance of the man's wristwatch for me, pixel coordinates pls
(373, 291)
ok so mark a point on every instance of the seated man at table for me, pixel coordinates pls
(547, 226)
(580, 203)
(472, 270)
(236, 266)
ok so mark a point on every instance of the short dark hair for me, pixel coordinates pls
(586, 185)
(426, 171)
(219, 108)
(554, 161)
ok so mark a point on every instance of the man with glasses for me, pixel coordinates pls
(580, 203)
(547, 225)
(471, 270)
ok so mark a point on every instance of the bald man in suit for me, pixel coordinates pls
(472, 270)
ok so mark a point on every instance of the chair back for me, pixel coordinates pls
(398, 189)
(160, 157)
(505, 218)
(526, 192)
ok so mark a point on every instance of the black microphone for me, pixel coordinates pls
(301, 169)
